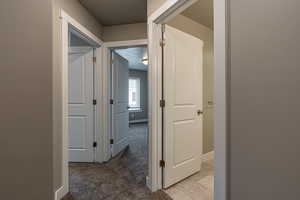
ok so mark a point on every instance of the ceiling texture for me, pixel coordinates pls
(201, 12)
(134, 55)
(117, 12)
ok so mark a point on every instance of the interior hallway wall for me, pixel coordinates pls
(206, 35)
(26, 148)
(264, 110)
(143, 75)
(125, 32)
(79, 13)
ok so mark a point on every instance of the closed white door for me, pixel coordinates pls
(183, 105)
(120, 121)
(81, 115)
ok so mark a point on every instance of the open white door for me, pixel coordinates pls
(120, 121)
(81, 119)
(183, 105)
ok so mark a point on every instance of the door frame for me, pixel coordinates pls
(66, 21)
(107, 91)
(168, 10)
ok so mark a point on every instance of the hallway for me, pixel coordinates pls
(123, 177)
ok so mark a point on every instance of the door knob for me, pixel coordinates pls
(199, 112)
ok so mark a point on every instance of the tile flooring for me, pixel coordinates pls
(199, 186)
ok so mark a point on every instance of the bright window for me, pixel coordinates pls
(134, 93)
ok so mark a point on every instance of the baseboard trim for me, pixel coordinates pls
(60, 193)
(208, 156)
(148, 182)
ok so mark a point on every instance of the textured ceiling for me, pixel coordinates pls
(116, 12)
(201, 12)
(134, 55)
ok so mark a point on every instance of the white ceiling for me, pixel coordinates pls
(134, 55)
(201, 12)
(116, 12)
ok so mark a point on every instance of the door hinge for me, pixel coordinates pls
(111, 101)
(162, 103)
(111, 141)
(94, 59)
(95, 144)
(94, 102)
(162, 42)
(162, 163)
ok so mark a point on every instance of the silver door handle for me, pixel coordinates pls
(199, 112)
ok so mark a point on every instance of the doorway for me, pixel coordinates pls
(81, 56)
(170, 28)
(129, 111)
(81, 116)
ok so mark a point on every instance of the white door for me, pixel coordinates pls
(81, 119)
(120, 121)
(183, 105)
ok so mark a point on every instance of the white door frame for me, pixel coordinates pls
(67, 20)
(167, 11)
(106, 81)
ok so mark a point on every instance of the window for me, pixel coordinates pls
(134, 93)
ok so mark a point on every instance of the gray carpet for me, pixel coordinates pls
(122, 178)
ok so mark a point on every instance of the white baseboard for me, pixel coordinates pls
(138, 121)
(208, 156)
(60, 193)
(148, 182)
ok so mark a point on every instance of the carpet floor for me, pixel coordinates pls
(122, 178)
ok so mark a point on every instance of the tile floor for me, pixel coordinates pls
(199, 186)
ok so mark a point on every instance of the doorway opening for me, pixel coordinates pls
(81, 112)
(191, 85)
(81, 66)
(129, 114)
(187, 91)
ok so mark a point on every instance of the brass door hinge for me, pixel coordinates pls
(162, 42)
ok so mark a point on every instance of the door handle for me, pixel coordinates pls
(199, 112)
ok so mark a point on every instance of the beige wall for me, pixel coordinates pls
(26, 100)
(125, 32)
(264, 110)
(206, 35)
(153, 5)
(79, 13)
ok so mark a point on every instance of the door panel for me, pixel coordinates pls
(183, 95)
(120, 107)
(77, 126)
(81, 124)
